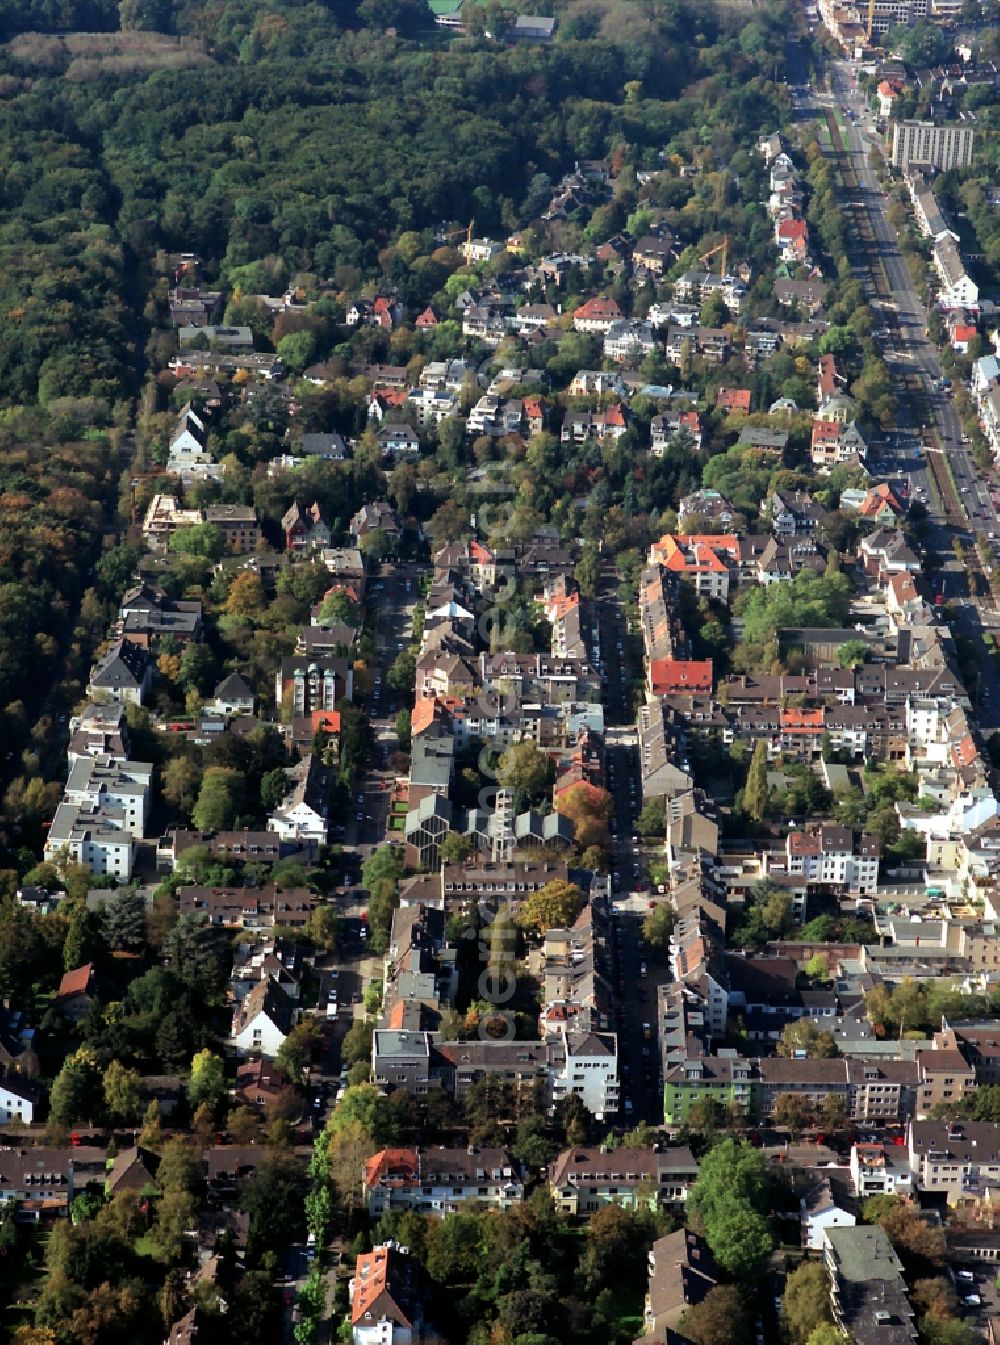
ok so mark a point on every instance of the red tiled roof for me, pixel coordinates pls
(734, 399)
(668, 675)
(76, 982)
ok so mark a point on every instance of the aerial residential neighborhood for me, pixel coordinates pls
(499, 699)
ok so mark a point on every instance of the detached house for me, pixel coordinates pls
(125, 673)
(596, 315)
(385, 1298)
(263, 1020)
(304, 528)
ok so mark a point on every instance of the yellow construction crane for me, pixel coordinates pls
(467, 232)
(871, 18)
(723, 247)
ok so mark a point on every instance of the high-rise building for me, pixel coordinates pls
(924, 143)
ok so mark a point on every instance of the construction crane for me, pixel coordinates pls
(723, 247)
(871, 19)
(467, 234)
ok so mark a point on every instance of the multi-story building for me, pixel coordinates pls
(439, 1181)
(834, 857)
(583, 1181)
(385, 1298)
(867, 1290)
(959, 1160)
(927, 142)
(123, 787)
(238, 525)
(728, 1080)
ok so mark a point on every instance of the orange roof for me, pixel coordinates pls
(326, 719)
(370, 1282)
(667, 675)
(801, 721)
(387, 1159)
(734, 399)
(804, 843)
(793, 228)
(76, 982)
(963, 332)
(397, 1015)
(422, 714)
(826, 432)
(598, 308)
(964, 753)
(699, 552)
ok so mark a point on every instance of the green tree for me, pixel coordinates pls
(806, 1301)
(721, 1318)
(657, 927)
(181, 782)
(122, 1092)
(76, 1090)
(200, 539)
(296, 350)
(324, 928)
(527, 771)
(852, 653)
(730, 1196)
(123, 918)
(456, 848)
(207, 1080)
(755, 792)
(219, 799)
(273, 788)
(652, 821)
(804, 1039)
(296, 1051)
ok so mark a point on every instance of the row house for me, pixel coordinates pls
(835, 856)
(986, 391)
(584, 1181)
(254, 908)
(439, 1181)
(957, 288)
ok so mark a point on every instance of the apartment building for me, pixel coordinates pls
(959, 1160)
(439, 1181)
(583, 1181)
(919, 143)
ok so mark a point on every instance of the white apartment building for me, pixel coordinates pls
(101, 782)
(924, 142)
(91, 836)
(590, 1071)
(835, 857)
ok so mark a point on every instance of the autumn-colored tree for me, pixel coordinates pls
(246, 595)
(554, 906)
